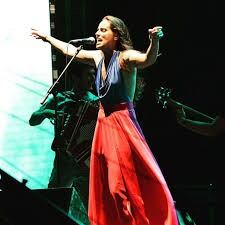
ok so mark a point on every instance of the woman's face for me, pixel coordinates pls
(105, 37)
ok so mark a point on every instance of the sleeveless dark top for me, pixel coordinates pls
(111, 90)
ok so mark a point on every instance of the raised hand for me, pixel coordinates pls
(38, 35)
(156, 32)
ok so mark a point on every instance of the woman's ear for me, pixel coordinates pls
(116, 38)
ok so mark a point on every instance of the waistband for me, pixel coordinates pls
(116, 107)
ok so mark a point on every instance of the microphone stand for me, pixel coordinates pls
(52, 90)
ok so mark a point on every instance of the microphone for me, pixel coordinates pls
(89, 41)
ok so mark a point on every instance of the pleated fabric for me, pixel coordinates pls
(126, 184)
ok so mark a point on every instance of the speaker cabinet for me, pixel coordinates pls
(21, 205)
(68, 200)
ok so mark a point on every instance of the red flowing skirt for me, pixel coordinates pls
(126, 184)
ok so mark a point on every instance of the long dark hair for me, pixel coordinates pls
(125, 43)
(118, 26)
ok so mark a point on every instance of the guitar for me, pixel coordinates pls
(163, 96)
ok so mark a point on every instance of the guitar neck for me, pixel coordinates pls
(196, 114)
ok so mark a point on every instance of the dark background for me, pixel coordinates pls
(191, 65)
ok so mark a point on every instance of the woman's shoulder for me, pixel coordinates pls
(97, 55)
(125, 61)
(129, 52)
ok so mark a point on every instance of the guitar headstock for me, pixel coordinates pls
(162, 95)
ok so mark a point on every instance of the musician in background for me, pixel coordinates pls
(69, 107)
(210, 127)
(192, 119)
(214, 129)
